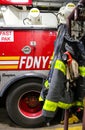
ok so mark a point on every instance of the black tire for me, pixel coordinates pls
(16, 98)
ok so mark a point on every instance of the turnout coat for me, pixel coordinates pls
(59, 90)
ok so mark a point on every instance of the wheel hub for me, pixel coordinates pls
(29, 105)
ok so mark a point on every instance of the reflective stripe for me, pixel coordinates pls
(65, 105)
(60, 66)
(79, 103)
(41, 99)
(51, 59)
(52, 56)
(50, 106)
(46, 84)
(82, 70)
(84, 101)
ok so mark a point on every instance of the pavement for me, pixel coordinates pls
(7, 124)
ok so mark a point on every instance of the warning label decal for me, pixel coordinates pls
(6, 36)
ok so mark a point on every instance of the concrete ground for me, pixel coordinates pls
(7, 124)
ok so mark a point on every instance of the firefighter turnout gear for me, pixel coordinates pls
(58, 95)
(67, 85)
(73, 119)
(81, 80)
(44, 91)
(57, 48)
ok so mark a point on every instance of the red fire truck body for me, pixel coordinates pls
(17, 51)
(17, 65)
(25, 57)
(14, 2)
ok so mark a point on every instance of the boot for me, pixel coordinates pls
(72, 120)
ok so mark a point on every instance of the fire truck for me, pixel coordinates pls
(28, 30)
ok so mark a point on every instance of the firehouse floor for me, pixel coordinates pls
(61, 127)
(6, 123)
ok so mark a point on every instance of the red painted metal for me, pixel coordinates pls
(12, 43)
(29, 105)
(14, 2)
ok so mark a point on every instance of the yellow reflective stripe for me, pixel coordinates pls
(65, 105)
(52, 56)
(50, 106)
(79, 103)
(46, 84)
(82, 70)
(41, 99)
(60, 66)
(9, 58)
(7, 67)
(84, 101)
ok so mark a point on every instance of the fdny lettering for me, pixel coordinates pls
(33, 62)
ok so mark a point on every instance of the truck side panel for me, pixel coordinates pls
(22, 51)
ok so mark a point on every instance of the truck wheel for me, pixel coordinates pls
(23, 106)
